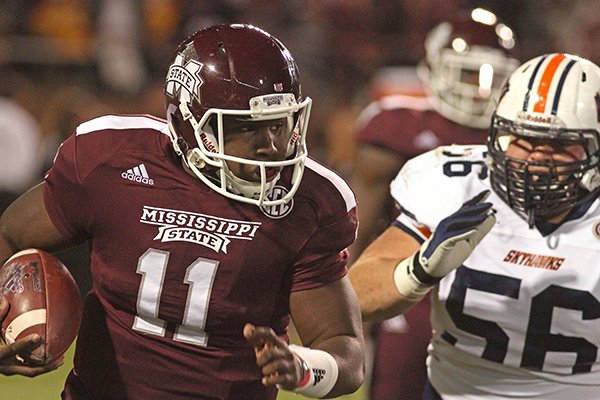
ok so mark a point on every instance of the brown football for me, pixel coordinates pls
(44, 299)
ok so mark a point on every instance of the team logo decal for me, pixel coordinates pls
(596, 229)
(206, 230)
(183, 79)
(281, 210)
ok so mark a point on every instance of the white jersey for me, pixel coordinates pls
(521, 318)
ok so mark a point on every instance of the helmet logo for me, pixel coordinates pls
(276, 100)
(184, 80)
(537, 118)
(208, 143)
(281, 210)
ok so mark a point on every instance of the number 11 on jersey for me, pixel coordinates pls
(152, 265)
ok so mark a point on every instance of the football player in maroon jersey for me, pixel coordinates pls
(209, 233)
(466, 60)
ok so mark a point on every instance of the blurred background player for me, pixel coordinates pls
(514, 316)
(20, 137)
(467, 58)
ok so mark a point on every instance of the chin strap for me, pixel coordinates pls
(530, 219)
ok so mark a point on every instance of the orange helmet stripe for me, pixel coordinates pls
(546, 81)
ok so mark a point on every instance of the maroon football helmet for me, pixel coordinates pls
(242, 71)
(467, 59)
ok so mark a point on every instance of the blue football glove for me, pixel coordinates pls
(454, 239)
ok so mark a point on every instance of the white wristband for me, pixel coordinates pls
(406, 282)
(322, 372)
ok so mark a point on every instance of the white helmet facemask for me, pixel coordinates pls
(208, 160)
(466, 62)
(465, 86)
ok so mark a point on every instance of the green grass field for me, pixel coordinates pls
(43, 387)
(49, 386)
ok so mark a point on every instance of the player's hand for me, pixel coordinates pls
(10, 354)
(278, 363)
(454, 239)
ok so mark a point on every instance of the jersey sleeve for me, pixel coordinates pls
(324, 256)
(393, 123)
(434, 184)
(65, 193)
(75, 185)
(327, 256)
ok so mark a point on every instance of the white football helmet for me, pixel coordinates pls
(467, 59)
(553, 97)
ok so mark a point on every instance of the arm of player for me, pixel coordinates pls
(26, 224)
(395, 271)
(9, 362)
(328, 323)
(372, 275)
(374, 169)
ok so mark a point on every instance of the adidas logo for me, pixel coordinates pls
(138, 174)
(319, 374)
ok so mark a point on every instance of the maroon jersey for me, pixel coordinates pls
(179, 269)
(410, 126)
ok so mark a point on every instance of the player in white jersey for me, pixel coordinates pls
(516, 287)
